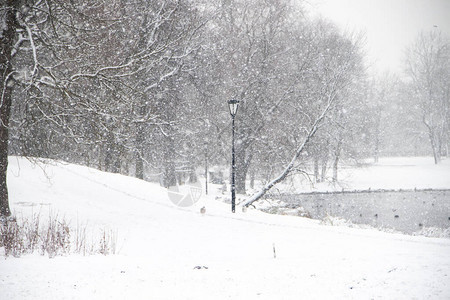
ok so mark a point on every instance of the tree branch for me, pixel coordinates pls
(312, 131)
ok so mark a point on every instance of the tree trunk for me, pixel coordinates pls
(242, 166)
(139, 152)
(316, 168)
(110, 152)
(241, 176)
(377, 149)
(139, 145)
(252, 178)
(434, 144)
(139, 167)
(6, 46)
(335, 168)
(169, 174)
(337, 155)
(323, 173)
(192, 175)
(436, 155)
(376, 155)
(206, 170)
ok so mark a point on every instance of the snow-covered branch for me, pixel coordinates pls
(33, 47)
(312, 131)
(162, 78)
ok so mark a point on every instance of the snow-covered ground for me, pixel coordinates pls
(390, 173)
(159, 247)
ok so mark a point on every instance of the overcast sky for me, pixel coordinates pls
(390, 25)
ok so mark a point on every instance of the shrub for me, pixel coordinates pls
(11, 237)
(54, 237)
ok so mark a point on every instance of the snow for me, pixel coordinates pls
(391, 173)
(403, 173)
(160, 247)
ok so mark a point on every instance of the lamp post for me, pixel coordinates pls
(206, 168)
(233, 105)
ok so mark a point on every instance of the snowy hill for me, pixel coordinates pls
(166, 252)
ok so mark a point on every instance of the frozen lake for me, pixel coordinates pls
(405, 211)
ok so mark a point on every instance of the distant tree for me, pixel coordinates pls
(394, 125)
(339, 132)
(382, 93)
(330, 79)
(340, 135)
(428, 66)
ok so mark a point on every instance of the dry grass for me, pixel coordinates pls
(52, 237)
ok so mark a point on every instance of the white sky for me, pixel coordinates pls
(390, 25)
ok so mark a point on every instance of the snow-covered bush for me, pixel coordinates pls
(434, 232)
(335, 221)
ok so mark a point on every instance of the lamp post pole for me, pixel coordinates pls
(233, 105)
(206, 168)
(233, 168)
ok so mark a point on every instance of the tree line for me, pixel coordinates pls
(140, 88)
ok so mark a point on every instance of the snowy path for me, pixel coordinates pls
(160, 246)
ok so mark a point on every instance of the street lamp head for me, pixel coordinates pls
(233, 105)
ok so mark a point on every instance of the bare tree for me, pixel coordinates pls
(79, 84)
(247, 37)
(428, 65)
(333, 73)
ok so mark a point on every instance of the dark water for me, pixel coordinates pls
(405, 211)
